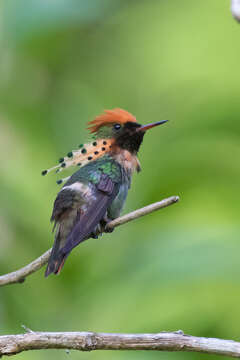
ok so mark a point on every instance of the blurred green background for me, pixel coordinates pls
(63, 62)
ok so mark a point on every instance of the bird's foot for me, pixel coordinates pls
(96, 232)
(101, 228)
(104, 222)
(94, 236)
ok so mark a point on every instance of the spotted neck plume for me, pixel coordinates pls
(99, 146)
(87, 152)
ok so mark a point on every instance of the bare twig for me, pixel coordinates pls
(20, 275)
(87, 341)
(143, 211)
(235, 8)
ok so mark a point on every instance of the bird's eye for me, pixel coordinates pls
(117, 126)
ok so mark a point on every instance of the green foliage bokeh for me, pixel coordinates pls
(61, 64)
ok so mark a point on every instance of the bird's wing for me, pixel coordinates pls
(63, 202)
(104, 192)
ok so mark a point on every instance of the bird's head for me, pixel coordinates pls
(122, 128)
(113, 131)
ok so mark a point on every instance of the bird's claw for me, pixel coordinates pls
(96, 232)
(101, 228)
(104, 223)
(108, 229)
(94, 236)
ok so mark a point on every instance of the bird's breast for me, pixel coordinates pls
(128, 161)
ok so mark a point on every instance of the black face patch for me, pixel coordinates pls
(130, 139)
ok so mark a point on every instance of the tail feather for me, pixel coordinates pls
(57, 258)
(55, 266)
(63, 228)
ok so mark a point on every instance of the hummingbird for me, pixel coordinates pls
(95, 194)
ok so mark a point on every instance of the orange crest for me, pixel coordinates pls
(110, 117)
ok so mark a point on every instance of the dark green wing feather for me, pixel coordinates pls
(105, 177)
(106, 191)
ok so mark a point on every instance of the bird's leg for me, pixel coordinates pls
(105, 220)
(96, 232)
(101, 228)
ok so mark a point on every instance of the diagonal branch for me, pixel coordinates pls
(87, 341)
(20, 275)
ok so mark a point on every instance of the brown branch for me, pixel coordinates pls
(235, 8)
(87, 341)
(20, 275)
